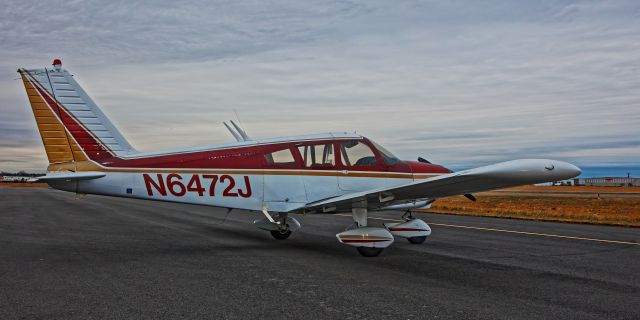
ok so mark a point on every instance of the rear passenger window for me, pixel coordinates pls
(318, 156)
(283, 157)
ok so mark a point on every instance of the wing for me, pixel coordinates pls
(496, 176)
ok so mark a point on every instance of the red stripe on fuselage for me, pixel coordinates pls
(233, 157)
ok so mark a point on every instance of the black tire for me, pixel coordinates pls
(417, 240)
(369, 252)
(281, 234)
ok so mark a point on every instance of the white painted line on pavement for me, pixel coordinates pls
(511, 231)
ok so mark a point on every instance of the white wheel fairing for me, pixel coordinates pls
(409, 229)
(366, 237)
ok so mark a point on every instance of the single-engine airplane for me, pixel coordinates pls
(311, 174)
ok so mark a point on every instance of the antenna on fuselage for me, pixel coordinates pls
(234, 133)
(243, 134)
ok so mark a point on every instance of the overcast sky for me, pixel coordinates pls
(461, 83)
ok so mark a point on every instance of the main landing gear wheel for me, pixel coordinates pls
(417, 240)
(282, 234)
(280, 226)
(369, 252)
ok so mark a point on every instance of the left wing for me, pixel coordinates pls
(496, 176)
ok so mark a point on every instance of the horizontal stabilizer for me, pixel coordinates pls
(69, 176)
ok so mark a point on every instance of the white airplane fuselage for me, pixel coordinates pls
(276, 189)
(322, 173)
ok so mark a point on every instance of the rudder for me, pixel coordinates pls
(58, 146)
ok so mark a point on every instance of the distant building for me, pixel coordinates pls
(608, 182)
(562, 183)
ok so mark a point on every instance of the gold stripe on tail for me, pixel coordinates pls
(58, 145)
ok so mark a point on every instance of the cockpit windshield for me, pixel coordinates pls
(388, 157)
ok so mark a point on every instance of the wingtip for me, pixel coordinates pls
(571, 170)
(562, 170)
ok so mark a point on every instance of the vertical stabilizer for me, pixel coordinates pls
(71, 125)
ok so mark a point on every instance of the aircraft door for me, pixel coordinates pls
(282, 190)
(320, 181)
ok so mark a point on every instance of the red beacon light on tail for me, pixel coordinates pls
(57, 64)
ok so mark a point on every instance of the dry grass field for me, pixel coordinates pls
(587, 205)
(595, 205)
(24, 184)
(576, 189)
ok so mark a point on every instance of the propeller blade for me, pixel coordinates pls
(470, 197)
(423, 160)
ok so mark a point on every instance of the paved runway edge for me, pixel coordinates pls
(107, 258)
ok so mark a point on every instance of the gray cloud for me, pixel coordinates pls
(465, 84)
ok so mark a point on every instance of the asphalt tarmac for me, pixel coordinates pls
(91, 257)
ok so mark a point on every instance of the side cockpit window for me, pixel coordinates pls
(318, 155)
(280, 157)
(357, 153)
(388, 157)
